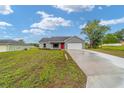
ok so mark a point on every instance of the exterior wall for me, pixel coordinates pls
(48, 45)
(70, 40)
(74, 40)
(41, 45)
(12, 48)
(3, 48)
(17, 47)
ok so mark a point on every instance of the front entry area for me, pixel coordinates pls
(58, 45)
(55, 45)
(62, 45)
(74, 46)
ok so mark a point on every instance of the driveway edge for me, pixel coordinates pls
(118, 61)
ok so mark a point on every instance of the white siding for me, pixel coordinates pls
(3, 48)
(48, 45)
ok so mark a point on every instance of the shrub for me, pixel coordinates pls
(25, 49)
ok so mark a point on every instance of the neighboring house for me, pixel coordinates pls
(122, 42)
(116, 44)
(62, 42)
(12, 45)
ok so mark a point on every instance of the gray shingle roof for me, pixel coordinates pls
(9, 41)
(58, 38)
(44, 39)
(61, 38)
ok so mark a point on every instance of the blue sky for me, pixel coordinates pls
(32, 23)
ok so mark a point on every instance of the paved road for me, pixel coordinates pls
(101, 73)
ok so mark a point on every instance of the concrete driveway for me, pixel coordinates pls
(101, 72)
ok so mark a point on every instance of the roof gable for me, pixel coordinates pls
(44, 40)
(74, 39)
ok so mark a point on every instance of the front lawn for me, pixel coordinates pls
(39, 68)
(113, 50)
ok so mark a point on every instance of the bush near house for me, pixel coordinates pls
(39, 68)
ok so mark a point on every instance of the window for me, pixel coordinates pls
(44, 45)
(56, 45)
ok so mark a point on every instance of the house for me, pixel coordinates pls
(122, 42)
(12, 45)
(115, 44)
(62, 42)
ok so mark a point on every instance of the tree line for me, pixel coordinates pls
(97, 34)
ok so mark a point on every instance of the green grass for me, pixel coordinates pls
(39, 68)
(113, 50)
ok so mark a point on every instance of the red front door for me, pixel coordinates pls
(62, 45)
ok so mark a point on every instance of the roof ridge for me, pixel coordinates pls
(55, 38)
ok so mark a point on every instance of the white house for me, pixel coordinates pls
(12, 45)
(62, 42)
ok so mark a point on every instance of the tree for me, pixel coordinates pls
(110, 38)
(21, 41)
(120, 34)
(34, 44)
(95, 32)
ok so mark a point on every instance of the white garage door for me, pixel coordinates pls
(74, 46)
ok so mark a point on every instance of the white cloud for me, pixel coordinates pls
(34, 31)
(5, 9)
(43, 14)
(112, 22)
(100, 8)
(6, 36)
(103, 6)
(4, 25)
(108, 5)
(51, 23)
(18, 38)
(82, 26)
(75, 8)
(107, 22)
(47, 22)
